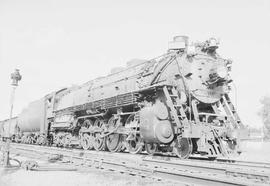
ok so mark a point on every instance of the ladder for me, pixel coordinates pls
(176, 107)
(231, 111)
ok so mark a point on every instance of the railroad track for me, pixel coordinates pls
(246, 163)
(191, 171)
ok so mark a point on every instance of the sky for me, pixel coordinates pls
(58, 43)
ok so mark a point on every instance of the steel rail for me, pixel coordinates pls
(205, 162)
(169, 158)
(231, 162)
(235, 161)
(196, 173)
(260, 174)
(246, 163)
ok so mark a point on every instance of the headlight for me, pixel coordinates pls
(222, 72)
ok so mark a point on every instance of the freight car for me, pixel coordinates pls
(178, 102)
(9, 128)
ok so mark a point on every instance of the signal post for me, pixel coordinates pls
(15, 77)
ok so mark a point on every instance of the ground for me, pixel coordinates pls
(253, 151)
(68, 178)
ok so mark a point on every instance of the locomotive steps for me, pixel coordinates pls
(157, 167)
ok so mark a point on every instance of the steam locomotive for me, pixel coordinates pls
(176, 103)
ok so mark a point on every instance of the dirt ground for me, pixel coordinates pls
(68, 178)
(253, 151)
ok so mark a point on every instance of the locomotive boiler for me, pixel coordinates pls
(178, 103)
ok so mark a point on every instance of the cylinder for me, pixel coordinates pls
(154, 130)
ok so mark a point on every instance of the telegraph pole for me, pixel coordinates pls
(15, 77)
